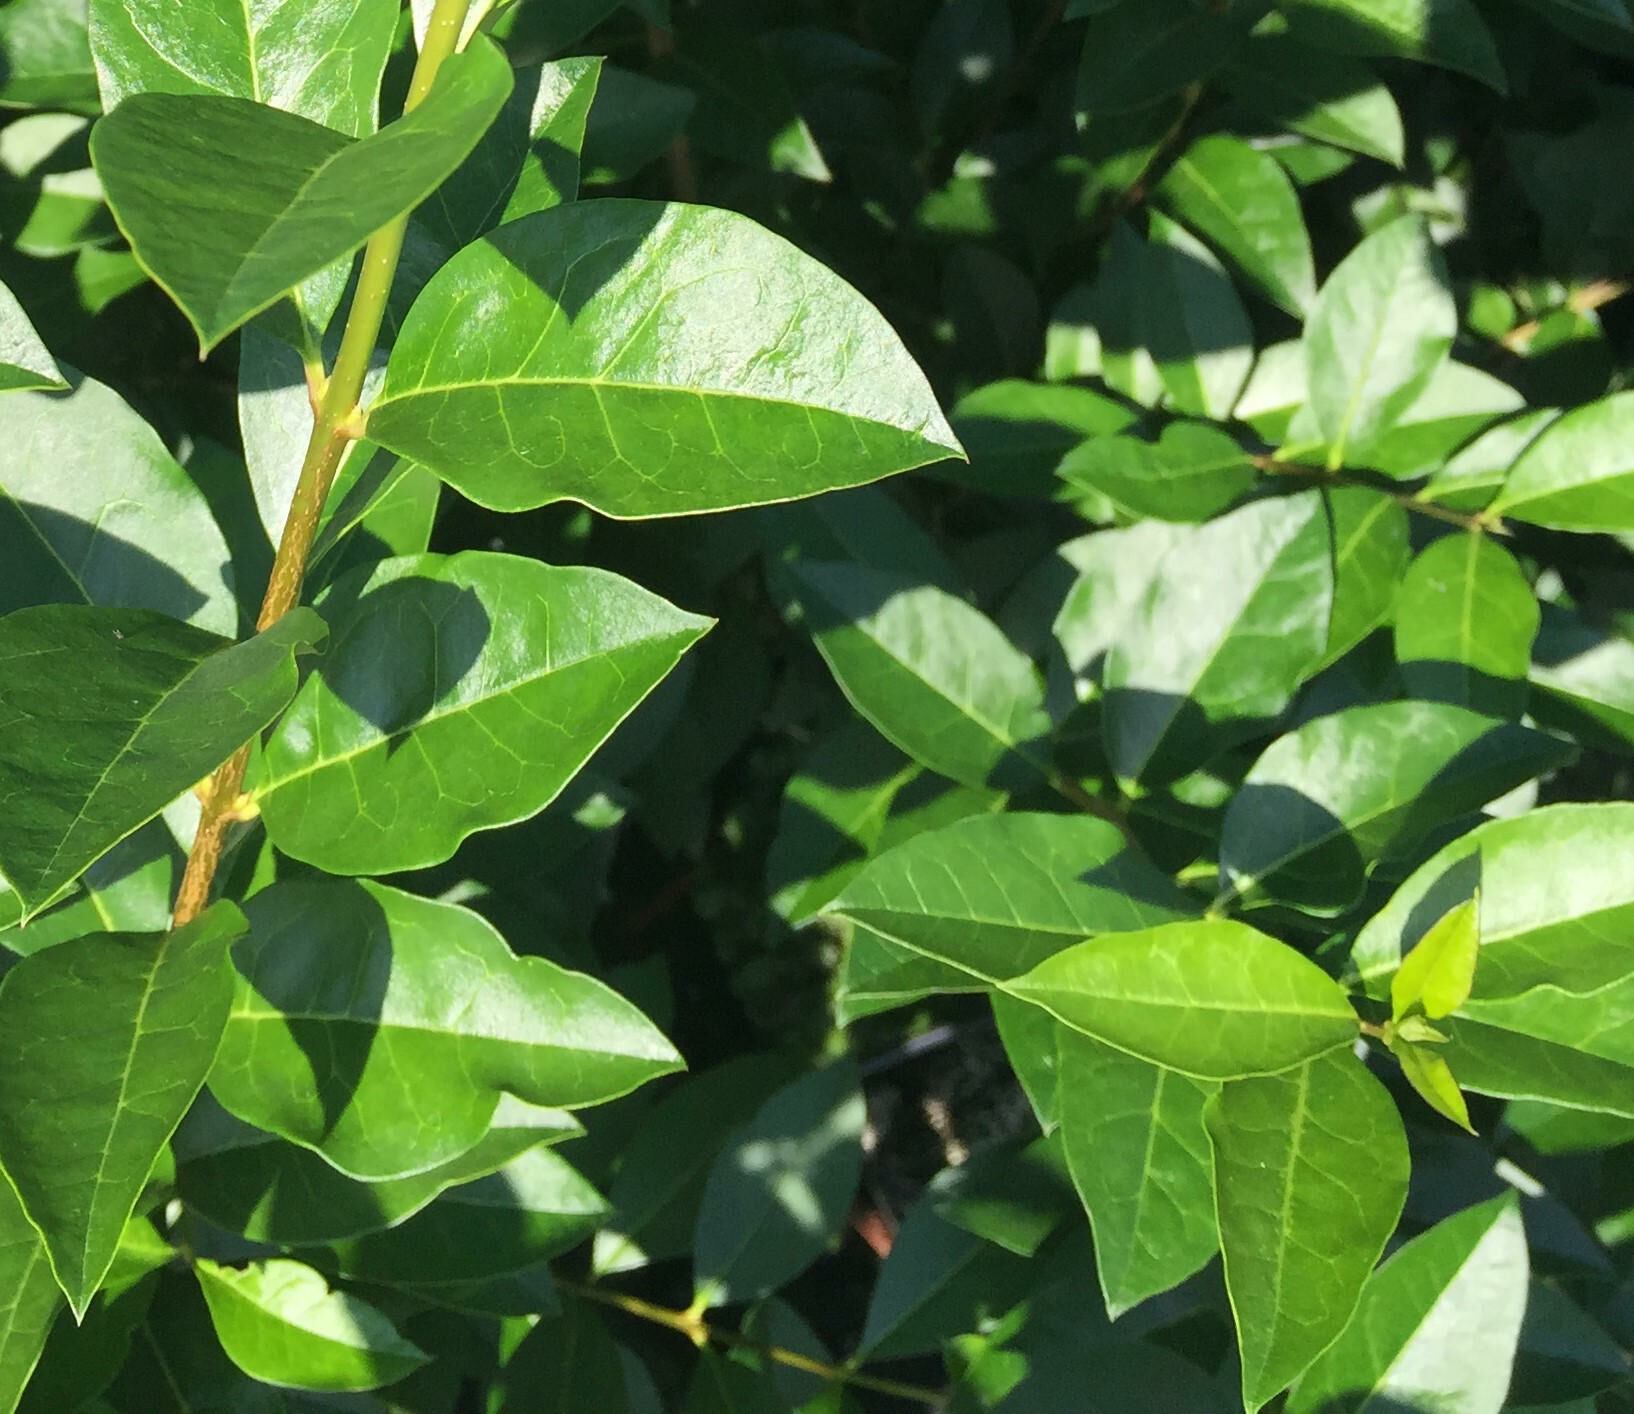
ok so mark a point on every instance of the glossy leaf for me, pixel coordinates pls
(155, 707)
(280, 1323)
(780, 1189)
(1192, 323)
(95, 510)
(526, 670)
(94, 1091)
(1370, 555)
(225, 239)
(320, 61)
(1134, 55)
(48, 63)
(1324, 96)
(1380, 328)
(565, 1362)
(1330, 799)
(1458, 402)
(1577, 474)
(1191, 473)
(1439, 972)
(986, 899)
(1450, 33)
(1233, 619)
(1268, 1008)
(24, 362)
(1465, 622)
(1426, 1070)
(1437, 1324)
(935, 675)
(381, 1029)
(542, 364)
(1310, 1176)
(1016, 433)
(30, 1301)
(1139, 1157)
(1239, 199)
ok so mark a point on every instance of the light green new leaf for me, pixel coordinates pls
(247, 1181)
(935, 675)
(1436, 1326)
(986, 899)
(107, 715)
(1556, 904)
(1326, 97)
(524, 669)
(280, 1323)
(650, 359)
(1465, 622)
(1192, 323)
(308, 57)
(1234, 618)
(780, 1189)
(1211, 998)
(531, 1209)
(1427, 1071)
(1310, 1172)
(1579, 472)
(104, 1042)
(381, 1029)
(1330, 799)
(95, 510)
(1139, 1158)
(24, 362)
(1439, 972)
(29, 1298)
(1191, 473)
(1241, 200)
(1450, 33)
(226, 238)
(1381, 327)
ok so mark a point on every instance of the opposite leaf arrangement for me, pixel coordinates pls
(1221, 807)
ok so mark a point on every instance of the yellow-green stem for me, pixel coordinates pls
(334, 427)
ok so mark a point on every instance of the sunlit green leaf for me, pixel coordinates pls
(30, 1298)
(1427, 1071)
(1450, 33)
(1439, 972)
(1577, 474)
(1191, 473)
(24, 362)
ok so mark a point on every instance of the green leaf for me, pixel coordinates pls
(524, 670)
(155, 706)
(1370, 554)
(533, 1208)
(566, 1362)
(24, 362)
(1213, 999)
(935, 675)
(1380, 329)
(268, 1190)
(988, 898)
(1241, 200)
(1013, 1198)
(1140, 1160)
(633, 119)
(30, 1299)
(1577, 474)
(1456, 404)
(1436, 1326)
(1191, 473)
(280, 1323)
(318, 60)
(1325, 97)
(779, 1191)
(1465, 622)
(538, 366)
(1450, 33)
(48, 64)
(1439, 972)
(104, 1042)
(225, 238)
(1028, 1035)
(1475, 474)
(1192, 323)
(95, 510)
(1234, 618)
(1310, 1175)
(1330, 799)
(1137, 54)
(381, 1029)
(1429, 1074)
(1583, 679)
(1016, 433)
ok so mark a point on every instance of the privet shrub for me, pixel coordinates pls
(1221, 713)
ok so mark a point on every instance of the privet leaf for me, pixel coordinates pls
(1327, 97)
(1578, 473)
(1450, 33)
(612, 352)
(29, 1297)
(1139, 1158)
(1427, 1071)
(381, 1029)
(280, 1323)
(1439, 972)
(1192, 323)
(1436, 1325)
(104, 1042)
(1191, 473)
(1147, 993)
(226, 238)
(514, 672)
(1310, 1171)
(24, 362)
(107, 715)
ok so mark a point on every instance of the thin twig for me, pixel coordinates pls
(1591, 297)
(1479, 521)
